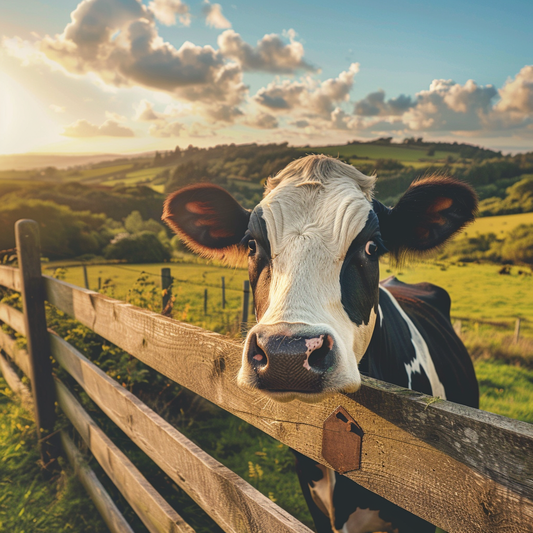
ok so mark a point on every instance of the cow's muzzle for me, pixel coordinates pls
(289, 358)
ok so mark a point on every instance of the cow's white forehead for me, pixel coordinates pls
(319, 198)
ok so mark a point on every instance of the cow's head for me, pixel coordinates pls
(313, 245)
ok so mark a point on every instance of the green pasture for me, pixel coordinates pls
(500, 225)
(404, 154)
(478, 291)
(99, 171)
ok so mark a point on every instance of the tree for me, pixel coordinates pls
(143, 247)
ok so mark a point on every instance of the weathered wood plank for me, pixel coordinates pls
(457, 467)
(111, 515)
(10, 278)
(15, 384)
(13, 318)
(234, 504)
(42, 382)
(19, 356)
(156, 514)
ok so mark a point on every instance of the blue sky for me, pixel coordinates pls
(399, 48)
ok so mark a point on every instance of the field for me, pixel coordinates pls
(500, 225)
(404, 154)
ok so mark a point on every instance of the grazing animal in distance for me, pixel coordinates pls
(323, 317)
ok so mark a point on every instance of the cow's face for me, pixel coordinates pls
(313, 245)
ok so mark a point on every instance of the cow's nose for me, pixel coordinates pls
(291, 362)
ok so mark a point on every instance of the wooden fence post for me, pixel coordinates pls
(42, 383)
(223, 292)
(85, 276)
(245, 305)
(166, 282)
(517, 331)
(205, 301)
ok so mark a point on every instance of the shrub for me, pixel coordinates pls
(142, 247)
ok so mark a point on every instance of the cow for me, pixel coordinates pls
(323, 317)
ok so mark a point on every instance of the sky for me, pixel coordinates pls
(125, 76)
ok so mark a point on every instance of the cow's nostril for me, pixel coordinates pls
(256, 355)
(318, 359)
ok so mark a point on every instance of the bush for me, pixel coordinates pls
(142, 247)
(518, 245)
(64, 233)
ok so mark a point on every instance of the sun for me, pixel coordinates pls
(24, 121)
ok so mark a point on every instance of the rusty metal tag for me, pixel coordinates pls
(342, 439)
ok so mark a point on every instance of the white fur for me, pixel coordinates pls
(313, 212)
(423, 358)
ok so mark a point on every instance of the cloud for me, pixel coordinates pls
(214, 17)
(177, 129)
(111, 115)
(165, 11)
(110, 128)
(517, 94)
(118, 41)
(167, 129)
(144, 112)
(57, 108)
(270, 55)
(263, 121)
(449, 106)
(308, 96)
(374, 104)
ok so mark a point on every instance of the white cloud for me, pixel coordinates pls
(449, 106)
(517, 94)
(112, 115)
(110, 128)
(270, 55)
(57, 108)
(309, 96)
(117, 40)
(214, 17)
(374, 104)
(165, 11)
(167, 129)
(264, 121)
(144, 112)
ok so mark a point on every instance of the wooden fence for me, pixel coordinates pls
(462, 469)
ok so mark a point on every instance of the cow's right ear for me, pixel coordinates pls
(209, 220)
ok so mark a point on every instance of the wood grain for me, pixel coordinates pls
(18, 355)
(15, 384)
(13, 318)
(42, 383)
(234, 504)
(156, 514)
(111, 515)
(10, 278)
(459, 468)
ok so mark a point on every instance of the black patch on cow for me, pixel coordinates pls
(359, 275)
(259, 262)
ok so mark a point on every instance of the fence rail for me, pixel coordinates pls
(461, 469)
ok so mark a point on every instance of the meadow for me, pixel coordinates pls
(404, 154)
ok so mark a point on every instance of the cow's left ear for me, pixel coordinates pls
(430, 212)
(209, 220)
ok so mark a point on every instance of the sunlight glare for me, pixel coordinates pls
(24, 121)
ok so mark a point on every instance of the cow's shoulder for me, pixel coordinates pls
(430, 294)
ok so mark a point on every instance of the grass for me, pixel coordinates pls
(404, 154)
(506, 390)
(500, 225)
(29, 503)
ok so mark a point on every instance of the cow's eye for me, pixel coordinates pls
(252, 247)
(371, 248)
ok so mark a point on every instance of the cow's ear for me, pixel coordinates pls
(209, 220)
(430, 212)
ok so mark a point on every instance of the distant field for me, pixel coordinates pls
(477, 291)
(499, 225)
(407, 154)
(138, 175)
(100, 171)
